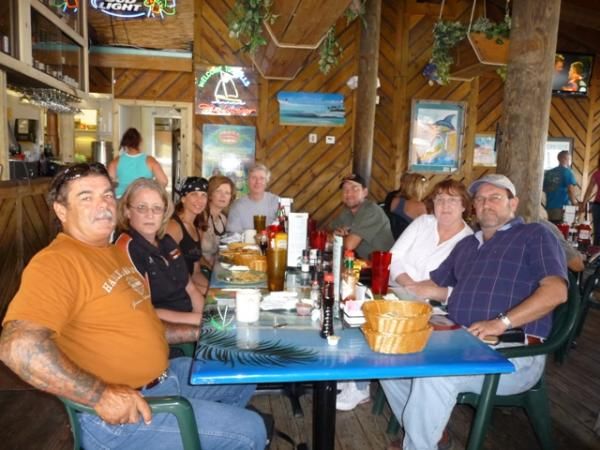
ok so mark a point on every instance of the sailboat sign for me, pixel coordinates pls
(226, 91)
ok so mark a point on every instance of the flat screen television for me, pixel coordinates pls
(572, 73)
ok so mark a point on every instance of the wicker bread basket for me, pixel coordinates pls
(410, 342)
(384, 316)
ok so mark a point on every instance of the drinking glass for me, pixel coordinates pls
(380, 272)
(276, 265)
(318, 239)
(260, 223)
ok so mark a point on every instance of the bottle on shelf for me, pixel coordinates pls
(327, 307)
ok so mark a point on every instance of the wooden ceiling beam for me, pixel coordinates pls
(140, 62)
(580, 16)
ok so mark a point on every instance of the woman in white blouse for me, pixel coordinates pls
(430, 238)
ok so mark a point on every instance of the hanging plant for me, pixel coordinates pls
(245, 23)
(329, 51)
(448, 34)
(247, 17)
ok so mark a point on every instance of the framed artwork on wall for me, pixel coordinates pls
(555, 145)
(436, 135)
(484, 151)
(228, 150)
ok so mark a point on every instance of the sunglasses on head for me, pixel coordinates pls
(77, 171)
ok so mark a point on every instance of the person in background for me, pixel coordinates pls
(508, 274)
(82, 326)
(406, 204)
(572, 256)
(559, 186)
(362, 223)
(575, 82)
(430, 238)
(143, 213)
(186, 226)
(257, 202)
(132, 163)
(593, 190)
(221, 192)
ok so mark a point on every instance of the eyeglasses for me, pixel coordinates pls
(143, 209)
(73, 172)
(453, 201)
(494, 199)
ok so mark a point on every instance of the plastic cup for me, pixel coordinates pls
(247, 305)
(318, 239)
(276, 265)
(260, 223)
(380, 272)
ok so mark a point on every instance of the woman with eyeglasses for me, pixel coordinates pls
(430, 238)
(187, 225)
(132, 163)
(406, 204)
(221, 192)
(142, 214)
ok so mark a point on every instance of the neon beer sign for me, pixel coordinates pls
(130, 9)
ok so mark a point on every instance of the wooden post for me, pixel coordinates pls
(527, 96)
(367, 90)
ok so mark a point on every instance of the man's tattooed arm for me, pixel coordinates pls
(30, 351)
(178, 333)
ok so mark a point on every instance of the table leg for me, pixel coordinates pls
(483, 413)
(324, 395)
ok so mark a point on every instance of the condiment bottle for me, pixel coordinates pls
(327, 305)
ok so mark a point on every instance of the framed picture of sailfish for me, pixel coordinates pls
(436, 136)
(226, 91)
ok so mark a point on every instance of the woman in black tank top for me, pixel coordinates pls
(186, 225)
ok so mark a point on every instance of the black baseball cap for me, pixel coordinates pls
(354, 177)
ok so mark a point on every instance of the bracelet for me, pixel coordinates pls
(505, 320)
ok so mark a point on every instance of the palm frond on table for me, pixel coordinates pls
(217, 345)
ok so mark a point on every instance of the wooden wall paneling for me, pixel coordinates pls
(26, 228)
(154, 85)
(100, 80)
(592, 141)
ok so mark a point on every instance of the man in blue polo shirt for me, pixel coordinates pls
(559, 186)
(508, 274)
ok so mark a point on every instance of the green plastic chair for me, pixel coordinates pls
(591, 284)
(178, 406)
(535, 400)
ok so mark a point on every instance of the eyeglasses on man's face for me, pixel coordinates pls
(143, 209)
(494, 199)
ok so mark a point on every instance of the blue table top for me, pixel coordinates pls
(265, 353)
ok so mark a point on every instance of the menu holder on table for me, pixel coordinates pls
(297, 233)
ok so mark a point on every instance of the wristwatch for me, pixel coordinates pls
(505, 320)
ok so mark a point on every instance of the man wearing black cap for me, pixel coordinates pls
(362, 223)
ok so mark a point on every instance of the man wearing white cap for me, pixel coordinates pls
(508, 274)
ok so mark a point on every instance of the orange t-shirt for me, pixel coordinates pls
(99, 307)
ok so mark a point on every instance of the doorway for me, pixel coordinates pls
(166, 134)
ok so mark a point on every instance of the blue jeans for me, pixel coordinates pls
(423, 405)
(223, 423)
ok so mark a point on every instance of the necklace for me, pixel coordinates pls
(214, 226)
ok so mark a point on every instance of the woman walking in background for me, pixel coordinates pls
(132, 163)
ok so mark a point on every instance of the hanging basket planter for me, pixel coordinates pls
(478, 55)
(489, 51)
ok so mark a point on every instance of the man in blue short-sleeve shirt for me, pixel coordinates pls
(508, 274)
(559, 186)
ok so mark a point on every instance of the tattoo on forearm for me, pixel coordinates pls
(177, 333)
(31, 352)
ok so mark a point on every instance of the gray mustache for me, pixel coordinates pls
(106, 214)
